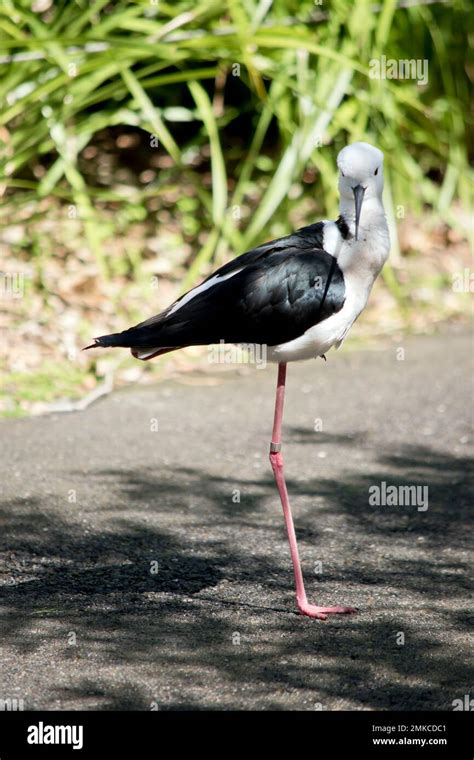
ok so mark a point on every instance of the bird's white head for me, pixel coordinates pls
(360, 175)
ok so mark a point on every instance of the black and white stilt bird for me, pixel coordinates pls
(297, 296)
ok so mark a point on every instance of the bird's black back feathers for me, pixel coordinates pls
(272, 294)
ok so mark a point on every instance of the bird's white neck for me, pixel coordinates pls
(372, 214)
(373, 243)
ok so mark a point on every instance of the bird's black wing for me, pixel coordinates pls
(270, 295)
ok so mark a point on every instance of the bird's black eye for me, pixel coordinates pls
(376, 171)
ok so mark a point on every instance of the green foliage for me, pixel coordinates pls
(52, 381)
(273, 89)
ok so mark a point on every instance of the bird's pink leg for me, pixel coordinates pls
(276, 460)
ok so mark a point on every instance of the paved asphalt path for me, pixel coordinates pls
(95, 501)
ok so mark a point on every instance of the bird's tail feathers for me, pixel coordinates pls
(141, 340)
(107, 341)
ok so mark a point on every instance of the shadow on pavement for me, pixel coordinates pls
(99, 585)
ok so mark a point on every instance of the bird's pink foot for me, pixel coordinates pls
(321, 613)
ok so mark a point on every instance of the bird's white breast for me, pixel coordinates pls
(360, 262)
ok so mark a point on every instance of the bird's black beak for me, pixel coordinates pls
(358, 191)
